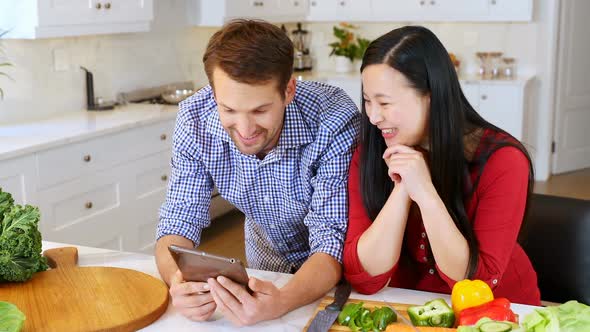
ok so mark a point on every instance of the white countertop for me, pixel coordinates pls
(23, 138)
(355, 75)
(172, 320)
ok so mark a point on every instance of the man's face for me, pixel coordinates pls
(252, 115)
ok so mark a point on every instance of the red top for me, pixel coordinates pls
(496, 211)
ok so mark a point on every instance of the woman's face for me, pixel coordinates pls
(397, 109)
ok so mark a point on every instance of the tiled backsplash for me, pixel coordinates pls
(129, 61)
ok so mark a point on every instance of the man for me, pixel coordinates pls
(279, 151)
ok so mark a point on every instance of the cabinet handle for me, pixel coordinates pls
(484, 97)
(107, 5)
(422, 3)
(87, 158)
(163, 137)
(164, 177)
(98, 5)
(493, 2)
(342, 3)
(433, 2)
(296, 3)
(88, 205)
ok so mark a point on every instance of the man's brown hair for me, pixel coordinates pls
(252, 52)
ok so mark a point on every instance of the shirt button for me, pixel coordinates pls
(495, 281)
(431, 271)
(422, 246)
(423, 235)
(425, 259)
(266, 199)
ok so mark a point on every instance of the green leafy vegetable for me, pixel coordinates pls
(20, 241)
(571, 316)
(11, 319)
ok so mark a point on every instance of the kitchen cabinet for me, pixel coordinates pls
(216, 13)
(339, 10)
(32, 19)
(504, 104)
(420, 10)
(18, 177)
(96, 193)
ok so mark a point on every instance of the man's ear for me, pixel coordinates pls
(290, 91)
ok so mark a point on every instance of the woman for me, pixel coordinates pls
(437, 194)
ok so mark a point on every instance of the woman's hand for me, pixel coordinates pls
(408, 167)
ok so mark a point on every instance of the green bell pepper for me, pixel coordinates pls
(382, 317)
(435, 313)
(349, 312)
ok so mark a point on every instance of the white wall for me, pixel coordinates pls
(120, 62)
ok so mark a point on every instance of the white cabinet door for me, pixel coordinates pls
(502, 106)
(113, 11)
(252, 8)
(457, 10)
(18, 177)
(511, 10)
(60, 18)
(339, 10)
(396, 10)
(87, 211)
(471, 92)
(293, 10)
(65, 12)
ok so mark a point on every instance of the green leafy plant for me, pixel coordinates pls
(20, 240)
(11, 318)
(3, 64)
(348, 45)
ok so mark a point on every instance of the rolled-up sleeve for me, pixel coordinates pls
(186, 209)
(328, 214)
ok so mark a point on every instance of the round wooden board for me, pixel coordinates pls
(73, 298)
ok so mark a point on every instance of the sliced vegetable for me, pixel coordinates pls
(349, 312)
(383, 317)
(358, 318)
(495, 327)
(498, 310)
(433, 313)
(470, 293)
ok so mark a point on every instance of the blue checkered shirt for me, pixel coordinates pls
(295, 199)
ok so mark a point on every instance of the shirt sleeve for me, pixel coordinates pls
(358, 223)
(186, 209)
(327, 216)
(502, 194)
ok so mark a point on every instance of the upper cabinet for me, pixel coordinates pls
(420, 10)
(339, 10)
(216, 13)
(59, 18)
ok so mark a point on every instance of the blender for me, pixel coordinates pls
(301, 38)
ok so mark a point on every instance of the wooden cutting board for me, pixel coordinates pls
(394, 327)
(73, 298)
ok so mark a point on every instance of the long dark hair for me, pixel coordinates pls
(417, 53)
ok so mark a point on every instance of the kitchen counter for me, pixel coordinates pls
(355, 75)
(172, 320)
(23, 138)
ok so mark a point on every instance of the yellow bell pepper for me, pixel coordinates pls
(470, 293)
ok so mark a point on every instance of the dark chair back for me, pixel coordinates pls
(557, 240)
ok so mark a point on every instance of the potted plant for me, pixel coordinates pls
(2, 64)
(348, 47)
